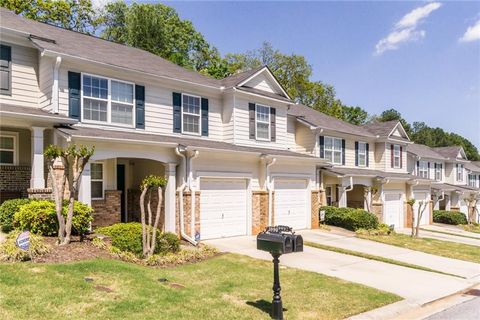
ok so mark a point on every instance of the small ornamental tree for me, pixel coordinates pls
(471, 202)
(368, 194)
(149, 230)
(422, 205)
(73, 159)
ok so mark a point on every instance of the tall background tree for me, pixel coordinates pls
(158, 29)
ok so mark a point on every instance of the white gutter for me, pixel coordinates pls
(269, 188)
(180, 200)
(192, 195)
(55, 102)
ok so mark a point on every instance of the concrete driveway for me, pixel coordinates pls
(465, 269)
(416, 286)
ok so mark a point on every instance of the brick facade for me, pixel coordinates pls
(107, 210)
(187, 205)
(14, 182)
(40, 193)
(133, 205)
(318, 200)
(259, 211)
(377, 209)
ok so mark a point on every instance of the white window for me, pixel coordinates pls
(362, 154)
(97, 180)
(423, 169)
(329, 195)
(472, 180)
(459, 172)
(107, 100)
(396, 156)
(438, 171)
(333, 150)
(262, 122)
(8, 148)
(191, 114)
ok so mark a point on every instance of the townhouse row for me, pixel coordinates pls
(239, 154)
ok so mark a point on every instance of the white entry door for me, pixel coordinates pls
(421, 196)
(393, 210)
(223, 208)
(291, 203)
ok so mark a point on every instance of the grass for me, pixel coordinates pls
(225, 287)
(437, 247)
(374, 257)
(471, 228)
(451, 233)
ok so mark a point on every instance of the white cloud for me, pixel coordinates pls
(100, 4)
(405, 30)
(472, 33)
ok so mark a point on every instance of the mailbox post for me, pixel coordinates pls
(278, 240)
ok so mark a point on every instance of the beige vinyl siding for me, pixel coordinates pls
(261, 82)
(242, 124)
(227, 118)
(380, 155)
(388, 166)
(350, 154)
(46, 65)
(25, 90)
(303, 138)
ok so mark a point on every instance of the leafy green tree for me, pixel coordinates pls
(355, 115)
(77, 15)
(392, 114)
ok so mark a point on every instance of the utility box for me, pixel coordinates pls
(279, 240)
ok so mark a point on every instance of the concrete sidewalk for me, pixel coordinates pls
(451, 229)
(416, 286)
(465, 269)
(443, 237)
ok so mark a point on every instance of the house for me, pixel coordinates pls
(225, 145)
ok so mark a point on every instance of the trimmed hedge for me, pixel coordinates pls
(449, 217)
(7, 212)
(128, 237)
(350, 218)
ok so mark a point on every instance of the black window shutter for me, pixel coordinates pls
(273, 126)
(251, 117)
(418, 168)
(368, 154)
(392, 162)
(5, 70)
(140, 107)
(74, 95)
(343, 151)
(428, 172)
(205, 117)
(177, 112)
(322, 147)
(356, 153)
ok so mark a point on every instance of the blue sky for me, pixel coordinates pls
(430, 76)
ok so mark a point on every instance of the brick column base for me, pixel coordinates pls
(259, 211)
(187, 204)
(377, 209)
(107, 211)
(40, 193)
(317, 201)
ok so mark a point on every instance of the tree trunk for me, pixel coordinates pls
(420, 214)
(157, 220)
(413, 221)
(142, 217)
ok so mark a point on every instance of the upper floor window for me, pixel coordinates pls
(191, 114)
(362, 154)
(8, 149)
(472, 180)
(107, 100)
(423, 169)
(459, 172)
(397, 156)
(438, 171)
(5, 70)
(333, 150)
(96, 180)
(262, 122)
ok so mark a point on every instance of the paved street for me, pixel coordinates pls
(469, 310)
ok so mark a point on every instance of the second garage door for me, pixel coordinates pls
(291, 203)
(393, 210)
(223, 208)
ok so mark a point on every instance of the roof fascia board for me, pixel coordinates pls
(261, 96)
(333, 131)
(46, 117)
(401, 127)
(272, 76)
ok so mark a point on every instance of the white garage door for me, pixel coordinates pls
(291, 203)
(421, 196)
(393, 210)
(223, 208)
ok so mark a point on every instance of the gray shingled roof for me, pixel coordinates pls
(326, 122)
(382, 129)
(424, 151)
(448, 152)
(373, 173)
(235, 79)
(6, 109)
(84, 132)
(472, 167)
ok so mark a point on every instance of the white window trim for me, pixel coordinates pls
(329, 196)
(365, 153)
(333, 149)
(191, 114)
(423, 170)
(395, 156)
(472, 182)
(460, 172)
(438, 170)
(109, 102)
(102, 180)
(13, 135)
(269, 123)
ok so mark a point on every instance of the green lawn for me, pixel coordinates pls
(438, 247)
(225, 287)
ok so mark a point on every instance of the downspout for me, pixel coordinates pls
(270, 189)
(192, 194)
(350, 187)
(55, 102)
(180, 200)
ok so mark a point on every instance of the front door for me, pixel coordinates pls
(121, 187)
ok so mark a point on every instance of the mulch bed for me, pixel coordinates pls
(75, 251)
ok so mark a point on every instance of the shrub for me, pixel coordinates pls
(9, 252)
(449, 217)
(382, 230)
(39, 216)
(128, 237)
(8, 210)
(350, 218)
(183, 256)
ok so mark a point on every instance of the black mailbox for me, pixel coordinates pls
(279, 240)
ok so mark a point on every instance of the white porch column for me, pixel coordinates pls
(342, 197)
(170, 195)
(84, 192)
(448, 202)
(37, 180)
